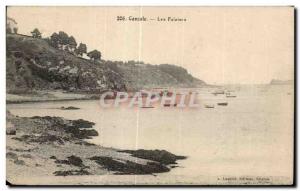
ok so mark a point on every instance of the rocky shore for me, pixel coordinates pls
(44, 96)
(54, 146)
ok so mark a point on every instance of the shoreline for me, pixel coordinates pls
(46, 96)
(47, 100)
(59, 95)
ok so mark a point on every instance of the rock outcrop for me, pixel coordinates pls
(54, 146)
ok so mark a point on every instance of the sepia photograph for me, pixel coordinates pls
(150, 95)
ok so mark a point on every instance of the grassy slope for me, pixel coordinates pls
(34, 65)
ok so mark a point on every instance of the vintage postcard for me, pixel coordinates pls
(150, 95)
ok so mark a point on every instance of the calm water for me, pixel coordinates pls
(253, 135)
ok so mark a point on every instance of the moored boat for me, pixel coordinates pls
(209, 106)
(223, 103)
(147, 107)
(218, 92)
(169, 105)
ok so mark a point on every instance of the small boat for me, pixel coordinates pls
(147, 107)
(218, 92)
(209, 106)
(69, 108)
(223, 103)
(166, 92)
(169, 105)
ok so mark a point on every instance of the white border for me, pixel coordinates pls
(155, 2)
(4, 3)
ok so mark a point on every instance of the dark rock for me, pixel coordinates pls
(18, 54)
(10, 128)
(71, 173)
(55, 130)
(62, 162)
(85, 143)
(80, 123)
(53, 157)
(40, 139)
(19, 162)
(74, 160)
(71, 160)
(26, 156)
(89, 133)
(81, 134)
(94, 97)
(161, 156)
(128, 167)
(11, 155)
(11, 132)
(22, 150)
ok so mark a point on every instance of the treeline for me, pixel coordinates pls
(177, 72)
(63, 41)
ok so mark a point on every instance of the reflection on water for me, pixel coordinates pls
(253, 135)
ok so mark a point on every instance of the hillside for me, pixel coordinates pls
(140, 75)
(32, 64)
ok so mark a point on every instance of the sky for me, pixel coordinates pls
(238, 45)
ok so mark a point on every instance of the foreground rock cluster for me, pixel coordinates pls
(53, 146)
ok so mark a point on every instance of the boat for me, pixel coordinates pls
(166, 92)
(218, 92)
(223, 103)
(209, 106)
(69, 108)
(147, 107)
(169, 105)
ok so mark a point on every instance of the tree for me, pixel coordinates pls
(8, 30)
(72, 44)
(94, 55)
(15, 30)
(36, 33)
(54, 40)
(81, 49)
(63, 39)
